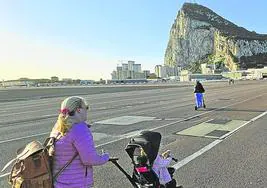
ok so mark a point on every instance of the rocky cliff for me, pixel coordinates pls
(198, 35)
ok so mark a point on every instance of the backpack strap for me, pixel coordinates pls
(8, 164)
(11, 175)
(64, 167)
(51, 141)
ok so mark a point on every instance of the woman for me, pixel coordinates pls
(199, 90)
(74, 137)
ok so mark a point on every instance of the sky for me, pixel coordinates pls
(87, 39)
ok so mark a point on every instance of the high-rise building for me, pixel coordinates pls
(119, 72)
(158, 70)
(146, 73)
(165, 72)
(114, 75)
(124, 66)
(137, 67)
(129, 70)
(131, 65)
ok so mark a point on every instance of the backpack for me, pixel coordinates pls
(33, 166)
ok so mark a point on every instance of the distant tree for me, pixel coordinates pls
(69, 81)
(101, 81)
(210, 59)
(152, 76)
(195, 67)
(54, 79)
(42, 80)
(77, 81)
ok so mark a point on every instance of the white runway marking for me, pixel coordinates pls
(196, 154)
(20, 138)
(125, 120)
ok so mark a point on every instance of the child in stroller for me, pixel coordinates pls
(163, 171)
(160, 167)
(150, 168)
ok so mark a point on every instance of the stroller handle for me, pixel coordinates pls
(175, 160)
(112, 159)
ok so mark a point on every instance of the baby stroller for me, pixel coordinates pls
(143, 176)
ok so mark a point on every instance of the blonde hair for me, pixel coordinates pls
(66, 117)
(142, 152)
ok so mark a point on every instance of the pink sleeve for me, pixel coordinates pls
(84, 143)
(160, 162)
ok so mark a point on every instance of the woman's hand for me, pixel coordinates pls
(166, 154)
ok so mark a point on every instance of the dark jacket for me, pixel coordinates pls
(199, 88)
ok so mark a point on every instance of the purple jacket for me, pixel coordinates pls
(79, 174)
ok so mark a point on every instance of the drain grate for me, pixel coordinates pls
(217, 133)
(219, 121)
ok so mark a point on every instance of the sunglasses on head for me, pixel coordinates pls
(87, 107)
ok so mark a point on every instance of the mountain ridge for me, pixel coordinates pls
(198, 33)
(201, 13)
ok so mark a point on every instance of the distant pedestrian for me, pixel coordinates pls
(75, 137)
(199, 99)
(231, 81)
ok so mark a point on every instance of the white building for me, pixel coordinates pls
(146, 73)
(119, 72)
(114, 75)
(257, 74)
(158, 70)
(131, 65)
(124, 66)
(137, 67)
(205, 69)
(139, 75)
(128, 70)
(163, 71)
(11, 83)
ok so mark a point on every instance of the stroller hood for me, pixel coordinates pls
(149, 141)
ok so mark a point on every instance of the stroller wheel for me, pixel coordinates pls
(195, 107)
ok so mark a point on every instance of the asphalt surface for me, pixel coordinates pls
(237, 159)
(28, 93)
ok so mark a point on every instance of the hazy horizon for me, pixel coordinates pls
(86, 39)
